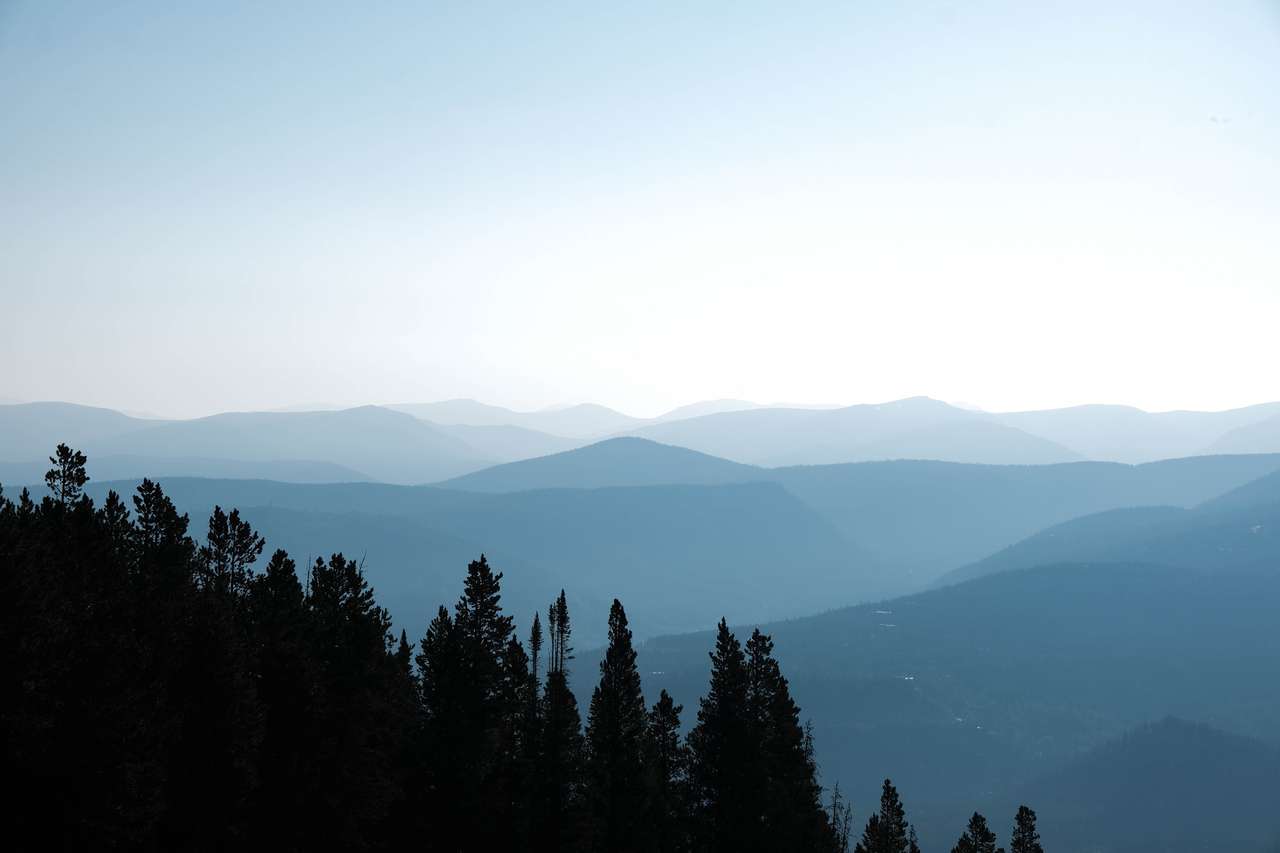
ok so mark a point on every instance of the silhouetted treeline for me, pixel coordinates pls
(162, 694)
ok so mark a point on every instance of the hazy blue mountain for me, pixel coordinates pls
(1262, 436)
(506, 443)
(964, 692)
(1153, 789)
(1127, 434)
(135, 467)
(613, 462)
(30, 431)
(918, 519)
(383, 444)
(679, 555)
(916, 428)
(587, 420)
(1236, 531)
(922, 519)
(707, 407)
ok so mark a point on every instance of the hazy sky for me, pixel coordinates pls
(1014, 204)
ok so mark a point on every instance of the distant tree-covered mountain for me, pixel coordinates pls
(613, 462)
(682, 554)
(1129, 795)
(1238, 531)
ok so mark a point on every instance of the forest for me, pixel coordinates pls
(170, 694)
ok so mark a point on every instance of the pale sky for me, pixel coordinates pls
(1018, 205)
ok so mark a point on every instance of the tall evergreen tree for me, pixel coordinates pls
(615, 741)
(1026, 839)
(977, 838)
(887, 831)
(724, 766)
(665, 821)
(793, 815)
(558, 813)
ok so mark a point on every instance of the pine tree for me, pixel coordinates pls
(724, 759)
(791, 799)
(1026, 839)
(890, 833)
(67, 477)
(231, 548)
(560, 744)
(614, 741)
(977, 838)
(665, 821)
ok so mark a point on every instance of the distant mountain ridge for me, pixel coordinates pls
(626, 461)
(1236, 531)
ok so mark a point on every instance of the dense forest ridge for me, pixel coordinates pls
(165, 694)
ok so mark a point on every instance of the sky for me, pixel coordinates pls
(208, 207)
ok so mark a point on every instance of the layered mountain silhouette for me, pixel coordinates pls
(1238, 531)
(613, 462)
(680, 554)
(917, 428)
(917, 519)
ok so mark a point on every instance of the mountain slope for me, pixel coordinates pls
(679, 555)
(154, 467)
(583, 421)
(613, 462)
(916, 428)
(1238, 531)
(1126, 434)
(506, 443)
(984, 686)
(384, 444)
(30, 431)
(922, 519)
(1152, 790)
(1260, 437)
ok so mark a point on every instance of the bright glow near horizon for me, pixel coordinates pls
(1000, 203)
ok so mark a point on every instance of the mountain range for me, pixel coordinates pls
(432, 442)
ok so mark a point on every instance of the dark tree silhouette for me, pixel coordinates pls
(615, 741)
(665, 820)
(977, 838)
(887, 831)
(1025, 837)
(67, 477)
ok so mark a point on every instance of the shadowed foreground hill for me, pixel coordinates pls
(613, 462)
(964, 691)
(1131, 795)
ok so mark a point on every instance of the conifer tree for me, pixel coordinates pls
(977, 838)
(665, 821)
(723, 766)
(231, 548)
(890, 832)
(615, 741)
(560, 747)
(791, 799)
(67, 477)
(1026, 839)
